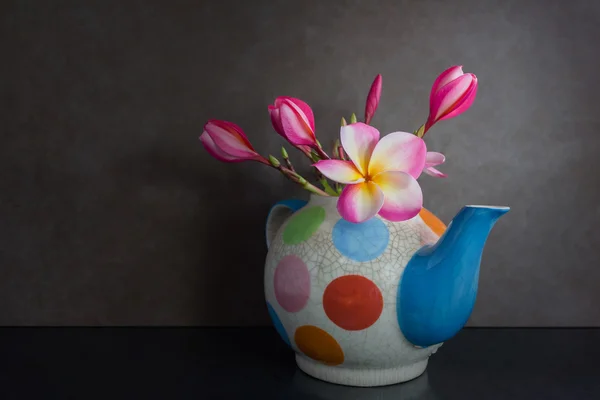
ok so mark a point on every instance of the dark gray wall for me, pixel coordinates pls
(112, 213)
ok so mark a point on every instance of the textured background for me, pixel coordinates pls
(112, 213)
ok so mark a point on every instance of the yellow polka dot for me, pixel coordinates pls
(433, 222)
(319, 345)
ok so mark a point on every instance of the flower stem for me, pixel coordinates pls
(295, 177)
(338, 188)
(312, 188)
(325, 183)
(322, 153)
(328, 189)
(305, 150)
(286, 158)
(341, 152)
(314, 157)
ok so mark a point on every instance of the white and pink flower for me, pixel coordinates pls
(381, 177)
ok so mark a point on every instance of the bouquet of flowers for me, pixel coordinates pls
(369, 175)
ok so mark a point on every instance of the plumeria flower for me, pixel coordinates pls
(226, 142)
(381, 177)
(294, 120)
(433, 159)
(452, 94)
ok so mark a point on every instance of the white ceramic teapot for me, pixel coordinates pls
(367, 304)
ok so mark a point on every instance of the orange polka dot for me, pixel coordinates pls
(433, 222)
(319, 345)
(352, 302)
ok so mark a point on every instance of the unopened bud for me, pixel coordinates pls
(274, 162)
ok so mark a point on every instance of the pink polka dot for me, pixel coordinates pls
(292, 283)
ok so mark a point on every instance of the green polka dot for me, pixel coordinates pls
(303, 225)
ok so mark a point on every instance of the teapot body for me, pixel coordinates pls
(332, 291)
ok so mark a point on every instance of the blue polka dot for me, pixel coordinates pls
(278, 325)
(361, 242)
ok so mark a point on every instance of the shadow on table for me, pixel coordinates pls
(418, 388)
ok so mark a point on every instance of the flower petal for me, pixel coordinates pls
(305, 111)
(359, 140)
(445, 99)
(214, 151)
(339, 171)
(465, 102)
(276, 120)
(360, 202)
(431, 171)
(295, 126)
(398, 151)
(433, 158)
(230, 138)
(403, 196)
(445, 77)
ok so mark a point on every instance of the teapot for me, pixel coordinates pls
(367, 304)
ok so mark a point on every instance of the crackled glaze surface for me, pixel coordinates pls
(333, 292)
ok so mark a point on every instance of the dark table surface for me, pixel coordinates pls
(253, 363)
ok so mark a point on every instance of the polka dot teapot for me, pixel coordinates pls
(367, 304)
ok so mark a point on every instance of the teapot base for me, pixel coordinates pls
(365, 377)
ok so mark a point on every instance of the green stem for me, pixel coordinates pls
(306, 152)
(286, 158)
(338, 188)
(312, 188)
(296, 177)
(328, 188)
(314, 156)
(321, 178)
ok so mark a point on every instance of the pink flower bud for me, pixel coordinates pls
(226, 142)
(373, 99)
(294, 120)
(452, 93)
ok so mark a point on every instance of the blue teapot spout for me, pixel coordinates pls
(439, 285)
